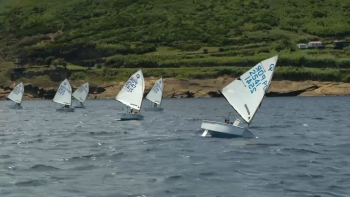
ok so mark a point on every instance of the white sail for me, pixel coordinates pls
(132, 92)
(245, 94)
(64, 94)
(156, 93)
(81, 93)
(17, 93)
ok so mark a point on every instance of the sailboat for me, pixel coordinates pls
(16, 96)
(80, 94)
(155, 96)
(245, 95)
(131, 95)
(64, 96)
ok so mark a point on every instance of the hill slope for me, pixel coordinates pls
(91, 29)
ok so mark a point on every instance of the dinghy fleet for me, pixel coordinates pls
(245, 95)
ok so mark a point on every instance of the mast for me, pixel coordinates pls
(143, 90)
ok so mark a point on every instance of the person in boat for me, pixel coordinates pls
(227, 121)
(81, 103)
(133, 111)
(66, 106)
(18, 104)
(155, 105)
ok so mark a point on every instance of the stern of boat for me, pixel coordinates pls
(153, 109)
(15, 107)
(124, 117)
(65, 110)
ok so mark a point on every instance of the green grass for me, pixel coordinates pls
(75, 67)
(40, 81)
(111, 75)
(281, 73)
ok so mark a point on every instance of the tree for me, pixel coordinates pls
(40, 61)
(49, 60)
(55, 63)
(64, 64)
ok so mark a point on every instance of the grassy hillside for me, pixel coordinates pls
(169, 33)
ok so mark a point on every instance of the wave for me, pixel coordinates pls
(299, 150)
(41, 167)
(30, 183)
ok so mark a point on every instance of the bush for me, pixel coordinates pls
(78, 76)
(49, 60)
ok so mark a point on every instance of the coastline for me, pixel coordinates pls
(195, 88)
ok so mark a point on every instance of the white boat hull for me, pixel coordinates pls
(131, 117)
(15, 107)
(153, 109)
(65, 110)
(223, 130)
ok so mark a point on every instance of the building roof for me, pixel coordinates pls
(315, 42)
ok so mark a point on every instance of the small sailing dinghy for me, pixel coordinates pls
(64, 96)
(155, 96)
(80, 94)
(16, 96)
(131, 95)
(245, 95)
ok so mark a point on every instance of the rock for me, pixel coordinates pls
(292, 93)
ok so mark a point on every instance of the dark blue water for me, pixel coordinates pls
(303, 149)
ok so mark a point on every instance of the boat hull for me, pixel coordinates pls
(65, 110)
(124, 117)
(80, 106)
(153, 109)
(223, 130)
(15, 107)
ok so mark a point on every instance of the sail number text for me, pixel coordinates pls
(17, 89)
(62, 89)
(82, 88)
(256, 78)
(131, 84)
(157, 88)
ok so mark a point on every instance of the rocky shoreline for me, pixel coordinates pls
(195, 88)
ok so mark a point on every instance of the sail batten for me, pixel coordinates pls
(132, 92)
(246, 93)
(81, 93)
(16, 94)
(156, 93)
(64, 94)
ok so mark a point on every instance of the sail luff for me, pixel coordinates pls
(269, 83)
(143, 90)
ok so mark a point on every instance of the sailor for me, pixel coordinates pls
(81, 103)
(66, 106)
(227, 121)
(155, 105)
(133, 111)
